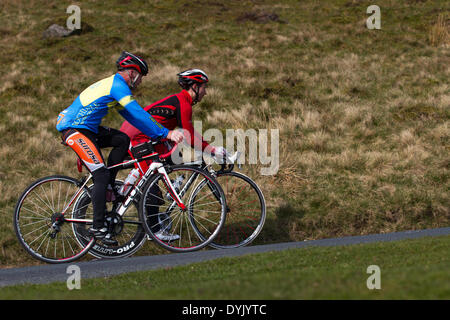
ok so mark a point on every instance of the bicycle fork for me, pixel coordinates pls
(187, 186)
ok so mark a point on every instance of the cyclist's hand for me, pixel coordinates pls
(175, 136)
(219, 151)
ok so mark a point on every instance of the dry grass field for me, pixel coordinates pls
(363, 115)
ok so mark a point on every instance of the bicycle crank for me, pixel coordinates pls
(114, 223)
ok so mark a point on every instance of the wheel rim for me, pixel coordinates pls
(246, 211)
(40, 226)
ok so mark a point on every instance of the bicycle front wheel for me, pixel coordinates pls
(40, 224)
(246, 211)
(174, 228)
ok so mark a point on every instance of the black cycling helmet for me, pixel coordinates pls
(187, 78)
(129, 60)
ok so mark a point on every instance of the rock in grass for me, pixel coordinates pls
(260, 17)
(55, 31)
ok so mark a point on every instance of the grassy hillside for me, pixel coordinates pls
(363, 114)
(409, 269)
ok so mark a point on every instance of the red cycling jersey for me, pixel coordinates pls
(172, 111)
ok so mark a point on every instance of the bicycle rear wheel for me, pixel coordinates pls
(246, 211)
(40, 226)
(161, 212)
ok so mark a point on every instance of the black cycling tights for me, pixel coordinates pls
(119, 141)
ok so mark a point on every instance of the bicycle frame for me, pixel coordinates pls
(138, 187)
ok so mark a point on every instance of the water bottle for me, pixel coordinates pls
(129, 182)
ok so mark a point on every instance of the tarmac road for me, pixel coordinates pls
(105, 268)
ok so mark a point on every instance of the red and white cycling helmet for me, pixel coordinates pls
(129, 60)
(187, 78)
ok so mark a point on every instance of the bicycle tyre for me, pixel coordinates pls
(211, 217)
(246, 211)
(40, 206)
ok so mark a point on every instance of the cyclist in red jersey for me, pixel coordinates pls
(175, 111)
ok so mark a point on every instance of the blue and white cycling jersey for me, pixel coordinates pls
(89, 108)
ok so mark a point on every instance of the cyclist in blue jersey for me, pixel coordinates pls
(80, 127)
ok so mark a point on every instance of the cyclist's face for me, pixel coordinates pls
(132, 74)
(139, 79)
(201, 91)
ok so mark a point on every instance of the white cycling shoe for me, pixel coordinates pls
(166, 236)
